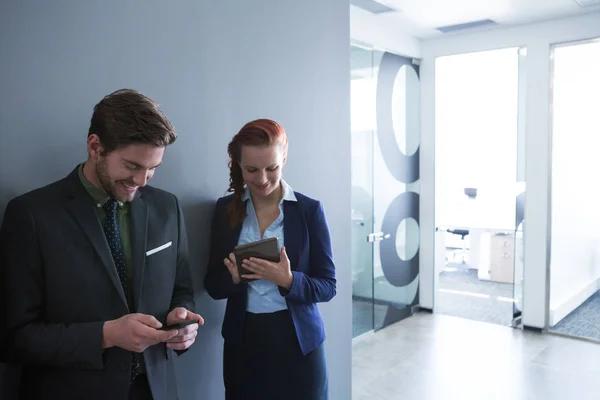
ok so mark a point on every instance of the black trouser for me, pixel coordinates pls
(140, 389)
(270, 366)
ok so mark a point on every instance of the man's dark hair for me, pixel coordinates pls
(127, 117)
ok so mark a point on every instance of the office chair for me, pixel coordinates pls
(462, 233)
(471, 194)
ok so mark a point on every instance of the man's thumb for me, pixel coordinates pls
(150, 321)
(182, 314)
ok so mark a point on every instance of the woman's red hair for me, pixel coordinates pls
(260, 132)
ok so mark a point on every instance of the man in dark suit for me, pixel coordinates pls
(95, 264)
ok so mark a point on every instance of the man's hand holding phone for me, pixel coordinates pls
(135, 332)
(185, 323)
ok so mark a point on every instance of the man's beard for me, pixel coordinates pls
(105, 181)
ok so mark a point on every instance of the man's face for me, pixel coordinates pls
(121, 172)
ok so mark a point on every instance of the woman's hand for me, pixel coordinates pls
(278, 273)
(231, 265)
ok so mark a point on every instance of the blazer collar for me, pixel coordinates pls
(293, 232)
(139, 234)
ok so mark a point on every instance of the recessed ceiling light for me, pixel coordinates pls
(587, 3)
(466, 25)
(372, 6)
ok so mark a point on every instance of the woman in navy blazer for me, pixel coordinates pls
(273, 329)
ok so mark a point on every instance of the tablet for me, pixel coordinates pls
(266, 249)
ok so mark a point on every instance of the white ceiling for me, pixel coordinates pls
(421, 17)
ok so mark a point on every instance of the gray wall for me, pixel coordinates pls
(213, 65)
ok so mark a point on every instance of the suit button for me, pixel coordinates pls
(124, 366)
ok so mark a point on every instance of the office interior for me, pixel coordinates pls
(487, 225)
(212, 70)
(477, 179)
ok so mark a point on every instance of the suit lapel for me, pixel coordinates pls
(83, 211)
(139, 229)
(292, 232)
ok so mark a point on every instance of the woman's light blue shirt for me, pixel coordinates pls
(264, 296)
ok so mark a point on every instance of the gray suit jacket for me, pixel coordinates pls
(61, 285)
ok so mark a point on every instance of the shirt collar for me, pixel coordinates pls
(99, 197)
(288, 193)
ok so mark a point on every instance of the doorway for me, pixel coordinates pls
(480, 185)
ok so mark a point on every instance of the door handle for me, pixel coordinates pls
(377, 236)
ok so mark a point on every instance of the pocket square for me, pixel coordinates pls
(159, 248)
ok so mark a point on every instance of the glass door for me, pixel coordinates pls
(518, 260)
(519, 233)
(385, 112)
(396, 189)
(362, 92)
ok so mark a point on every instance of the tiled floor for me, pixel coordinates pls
(438, 357)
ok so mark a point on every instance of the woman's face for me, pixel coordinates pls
(261, 169)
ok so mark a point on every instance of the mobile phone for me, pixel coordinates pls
(179, 325)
